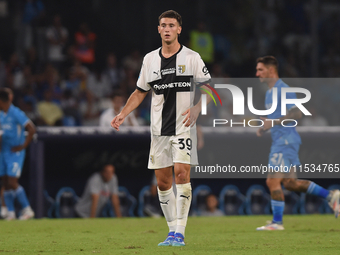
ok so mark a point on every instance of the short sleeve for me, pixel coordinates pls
(114, 185)
(95, 185)
(142, 83)
(290, 95)
(21, 118)
(201, 72)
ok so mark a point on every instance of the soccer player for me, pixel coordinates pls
(13, 144)
(167, 72)
(100, 188)
(285, 148)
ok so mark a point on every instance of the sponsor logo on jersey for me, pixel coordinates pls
(168, 71)
(172, 85)
(181, 68)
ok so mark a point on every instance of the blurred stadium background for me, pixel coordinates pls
(45, 59)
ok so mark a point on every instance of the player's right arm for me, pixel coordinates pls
(132, 103)
(135, 98)
(94, 204)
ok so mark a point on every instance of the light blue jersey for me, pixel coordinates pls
(13, 127)
(281, 135)
(285, 140)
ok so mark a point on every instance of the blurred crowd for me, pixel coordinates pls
(58, 80)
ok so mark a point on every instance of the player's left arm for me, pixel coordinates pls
(200, 72)
(116, 205)
(293, 113)
(193, 112)
(30, 127)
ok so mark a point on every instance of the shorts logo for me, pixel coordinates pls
(181, 68)
(152, 159)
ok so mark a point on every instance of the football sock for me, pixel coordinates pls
(167, 200)
(317, 190)
(9, 200)
(277, 208)
(21, 196)
(183, 206)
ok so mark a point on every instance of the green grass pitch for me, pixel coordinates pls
(312, 234)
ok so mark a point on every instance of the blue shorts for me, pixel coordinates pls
(284, 156)
(11, 163)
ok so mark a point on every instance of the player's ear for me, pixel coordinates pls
(179, 30)
(159, 29)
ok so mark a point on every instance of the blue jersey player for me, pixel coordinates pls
(13, 144)
(285, 148)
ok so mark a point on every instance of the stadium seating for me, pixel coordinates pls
(49, 205)
(127, 202)
(107, 210)
(146, 206)
(66, 199)
(198, 198)
(310, 204)
(231, 201)
(257, 200)
(292, 202)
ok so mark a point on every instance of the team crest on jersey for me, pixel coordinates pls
(181, 68)
(152, 159)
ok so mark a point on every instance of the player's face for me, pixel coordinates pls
(169, 29)
(107, 173)
(262, 72)
(211, 202)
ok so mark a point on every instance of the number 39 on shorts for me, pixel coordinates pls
(185, 143)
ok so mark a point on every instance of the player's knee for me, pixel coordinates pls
(272, 183)
(289, 184)
(164, 185)
(269, 182)
(11, 184)
(182, 177)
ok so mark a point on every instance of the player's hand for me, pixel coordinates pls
(117, 121)
(267, 124)
(259, 132)
(191, 116)
(17, 148)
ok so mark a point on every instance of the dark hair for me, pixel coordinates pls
(106, 165)
(4, 95)
(269, 61)
(171, 14)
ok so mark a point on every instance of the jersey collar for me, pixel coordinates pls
(277, 82)
(9, 110)
(163, 58)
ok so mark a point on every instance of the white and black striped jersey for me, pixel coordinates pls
(170, 81)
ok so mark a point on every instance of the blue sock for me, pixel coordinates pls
(21, 196)
(277, 208)
(9, 200)
(317, 190)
